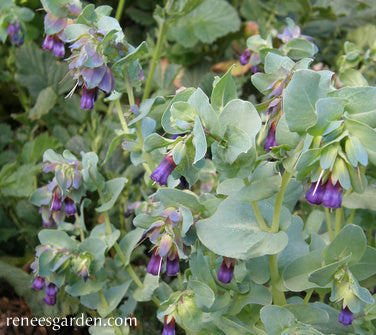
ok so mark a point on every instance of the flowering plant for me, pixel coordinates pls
(229, 214)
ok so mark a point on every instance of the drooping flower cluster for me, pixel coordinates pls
(51, 290)
(165, 235)
(60, 196)
(327, 194)
(14, 33)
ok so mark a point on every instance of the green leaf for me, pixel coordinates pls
(233, 231)
(365, 134)
(174, 197)
(240, 123)
(19, 279)
(352, 77)
(359, 102)
(155, 141)
(366, 266)
(276, 319)
(296, 274)
(80, 287)
(328, 109)
(113, 297)
(308, 314)
(57, 238)
(128, 243)
(113, 187)
(75, 31)
(264, 183)
(150, 284)
(300, 48)
(113, 145)
(351, 241)
(133, 55)
(204, 295)
(92, 178)
(95, 247)
(199, 140)
(274, 62)
(299, 99)
(37, 70)
(208, 116)
(45, 101)
(325, 274)
(33, 151)
(205, 25)
(224, 90)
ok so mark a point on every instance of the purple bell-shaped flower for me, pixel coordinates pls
(172, 265)
(270, 138)
(168, 327)
(38, 283)
(155, 265)
(315, 194)
(161, 173)
(346, 317)
(226, 272)
(70, 207)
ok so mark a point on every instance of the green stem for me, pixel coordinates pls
(350, 219)
(329, 224)
(103, 300)
(160, 41)
(119, 9)
(259, 217)
(337, 227)
(122, 257)
(369, 236)
(129, 89)
(307, 297)
(121, 117)
(278, 296)
(278, 203)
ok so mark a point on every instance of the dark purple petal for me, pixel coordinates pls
(58, 49)
(333, 195)
(346, 317)
(108, 82)
(50, 300)
(270, 138)
(226, 272)
(184, 183)
(172, 266)
(161, 173)
(315, 194)
(51, 290)
(11, 29)
(155, 265)
(70, 207)
(56, 203)
(38, 283)
(168, 328)
(245, 56)
(89, 96)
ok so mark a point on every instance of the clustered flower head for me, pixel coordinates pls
(161, 173)
(57, 199)
(226, 272)
(165, 235)
(15, 33)
(327, 194)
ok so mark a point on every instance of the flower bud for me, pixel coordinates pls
(89, 96)
(56, 203)
(83, 272)
(38, 283)
(245, 56)
(315, 194)
(70, 207)
(270, 140)
(50, 300)
(333, 195)
(51, 290)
